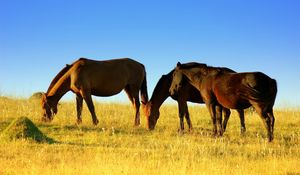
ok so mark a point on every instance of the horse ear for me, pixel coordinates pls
(178, 64)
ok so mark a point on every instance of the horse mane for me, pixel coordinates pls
(62, 72)
(191, 65)
(58, 76)
(226, 69)
(195, 64)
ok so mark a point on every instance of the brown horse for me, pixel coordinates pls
(185, 93)
(87, 77)
(230, 90)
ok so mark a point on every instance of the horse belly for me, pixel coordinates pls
(107, 88)
(99, 86)
(104, 93)
(231, 101)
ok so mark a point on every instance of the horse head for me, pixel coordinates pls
(176, 80)
(49, 110)
(152, 115)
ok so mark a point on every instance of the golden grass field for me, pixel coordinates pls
(116, 147)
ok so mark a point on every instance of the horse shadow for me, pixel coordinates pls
(81, 131)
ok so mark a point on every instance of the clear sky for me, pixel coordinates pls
(37, 38)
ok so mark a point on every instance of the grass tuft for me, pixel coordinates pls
(24, 128)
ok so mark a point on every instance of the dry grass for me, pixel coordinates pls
(116, 147)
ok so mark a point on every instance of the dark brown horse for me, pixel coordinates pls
(87, 77)
(185, 93)
(230, 90)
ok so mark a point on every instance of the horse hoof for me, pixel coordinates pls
(137, 123)
(95, 122)
(214, 135)
(180, 131)
(79, 121)
(243, 130)
(270, 138)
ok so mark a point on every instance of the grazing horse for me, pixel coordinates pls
(87, 77)
(185, 93)
(220, 89)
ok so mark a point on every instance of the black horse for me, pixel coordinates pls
(185, 93)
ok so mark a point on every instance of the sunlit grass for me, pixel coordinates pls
(116, 147)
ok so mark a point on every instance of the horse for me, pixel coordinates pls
(221, 89)
(86, 77)
(185, 93)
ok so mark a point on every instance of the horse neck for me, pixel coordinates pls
(60, 88)
(158, 99)
(191, 76)
(161, 92)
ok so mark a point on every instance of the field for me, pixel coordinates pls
(116, 147)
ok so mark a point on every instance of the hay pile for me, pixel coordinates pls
(24, 128)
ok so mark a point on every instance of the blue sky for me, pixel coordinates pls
(37, 38)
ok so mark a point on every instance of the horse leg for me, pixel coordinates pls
(88, 99)
(187, 117)
(79, 101)
(212, 112)
(181, 109)
(134, 99)
(226, 118)
(219, 119)
(242, 120)
(272, 121)
(137, 110)
(266, 120)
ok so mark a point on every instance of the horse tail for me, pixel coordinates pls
(265, 95)
(144, 91)
(273, 89)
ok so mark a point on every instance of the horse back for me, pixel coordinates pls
(107, 77)
(123, 67)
